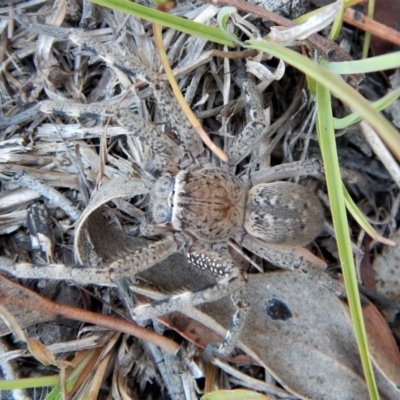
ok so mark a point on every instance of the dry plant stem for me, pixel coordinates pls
(381, 151)
(249, 382)
(46, 191)
(167, 103)
(87, 18)
(21, 6)
(19, 196)
(361, 21)
(31, 300)
(189, 113)
(207, 56)
(330, 49)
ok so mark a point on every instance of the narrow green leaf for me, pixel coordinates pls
(379, 105)
(223, 18)
(337, 23)
(27, 383)
(367, 35)
(171, 21)
(372, 64)
(338, 87)
(326, 137)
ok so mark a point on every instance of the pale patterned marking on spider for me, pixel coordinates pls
(196, 206)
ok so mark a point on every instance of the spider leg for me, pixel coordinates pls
(167, 103)
(288, 258)
(244, 142)
(232, 282)
(279, 172)
(138, 260)
(312, 167)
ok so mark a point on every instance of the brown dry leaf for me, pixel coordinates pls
(13, 325)
(382, 344)
(98, 378)
(37, 349)
(40, 352)
(23, 315)
(302, 334)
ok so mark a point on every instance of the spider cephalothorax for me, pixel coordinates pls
(208, 203)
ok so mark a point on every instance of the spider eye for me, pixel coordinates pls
(164, 187)
(161, 212)
(154, 168)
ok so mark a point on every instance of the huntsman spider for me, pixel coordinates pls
(194, 204)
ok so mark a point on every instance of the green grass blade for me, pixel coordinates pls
(326, 136)
(372, 64)
(338, 87)
(337, 24)
(171, 21)
(379, 105)
(367, 35)
(27, 383)
(223, 18)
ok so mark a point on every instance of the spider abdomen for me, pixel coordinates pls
(283, 212)
(209, 203)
